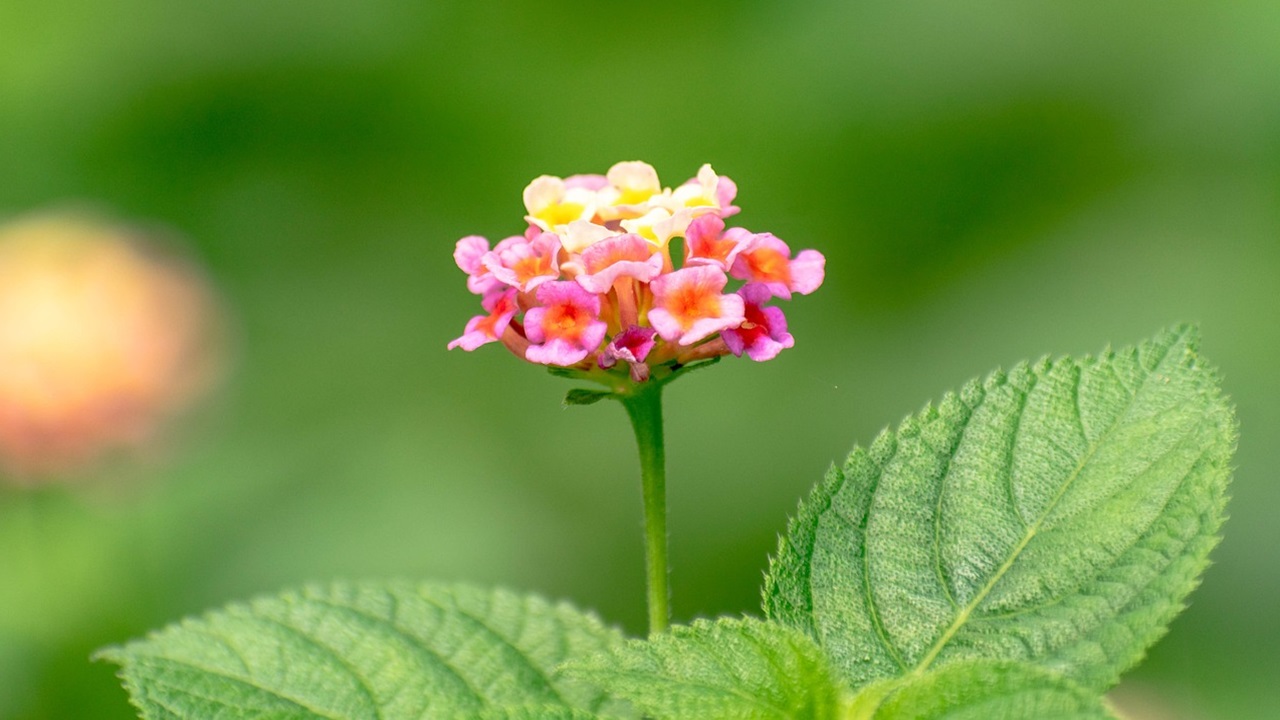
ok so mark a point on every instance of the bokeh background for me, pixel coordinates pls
(990, 181)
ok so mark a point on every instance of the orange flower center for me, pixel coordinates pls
(692, 303)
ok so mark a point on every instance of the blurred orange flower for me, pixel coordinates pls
(104, 335)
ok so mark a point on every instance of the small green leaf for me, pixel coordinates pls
(1056, 514)
(731, 669)
(981, 690)
(583, 396)
(376, 651)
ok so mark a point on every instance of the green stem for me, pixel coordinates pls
(644, 407)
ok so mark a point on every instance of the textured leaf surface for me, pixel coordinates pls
(1059, 513)
(376, 651)
(730, 669)
(983, 690)
(533, 712)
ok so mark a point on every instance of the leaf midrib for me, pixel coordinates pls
(1034, 529)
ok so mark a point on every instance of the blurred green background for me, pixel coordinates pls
(990, 181)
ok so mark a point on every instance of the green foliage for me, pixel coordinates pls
(583, 396)
(731, 669)
(1057, 514)
(1004, 555)
(394, 650)
(980, 690)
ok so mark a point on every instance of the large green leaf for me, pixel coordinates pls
(979, 690)
(1059, 514)
(377, 651)
(730, 669)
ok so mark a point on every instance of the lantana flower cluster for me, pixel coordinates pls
(592, 283)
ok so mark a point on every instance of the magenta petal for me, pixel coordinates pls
(564, 292)
(755, 293)
(733, 340)
(632, 345)
(763, 334)
(776, 321)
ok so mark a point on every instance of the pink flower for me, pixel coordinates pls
(565, 327)
(688, 304)
(526, 264)
(469, 254)
(707, 243)
(631, 346)
(620, 256)
(484, 329)
(763, 333)
(766, 259)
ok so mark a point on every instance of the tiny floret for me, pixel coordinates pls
(689, 305)
(591, 284)
(565, 327)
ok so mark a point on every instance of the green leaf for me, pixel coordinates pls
(731, 669)
(535, 712)
(980, 690)
(1058, 514)
(583, 396)
(378, 651)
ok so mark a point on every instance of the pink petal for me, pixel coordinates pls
(700, 281)
(556, 352)
(561, 351)
(468, 251)
(706, 241)
(568, 292)
(807, 271)
(625, 255)
(586, 181)
(726, 191)
(471, 338)
(483, 329)
(560, 346)
(666, 324)
(509, 264)
(533, 324)
(731, 316)
(763, 334)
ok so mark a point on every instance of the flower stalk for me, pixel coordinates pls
(644, 407)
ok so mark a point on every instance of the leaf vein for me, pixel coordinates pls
(425, 651)
(478, 622)
(982, 594)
